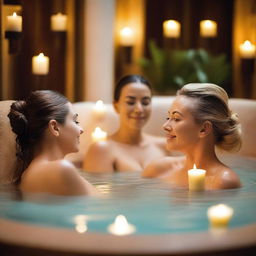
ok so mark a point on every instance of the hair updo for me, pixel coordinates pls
(30, 118)
(127, 80)
(212, 105)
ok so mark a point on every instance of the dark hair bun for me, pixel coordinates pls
(18, 120)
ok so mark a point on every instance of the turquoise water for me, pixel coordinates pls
(152, 206)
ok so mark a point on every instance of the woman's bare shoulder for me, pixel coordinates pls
(229, 179)
(162, 166)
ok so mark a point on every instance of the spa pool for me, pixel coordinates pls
(167, 221)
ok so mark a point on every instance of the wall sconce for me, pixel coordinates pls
(208, 28)
(171, 28)
(40, 64)
(59, 22)
(13, 32)
(127, 40)
(247, 52)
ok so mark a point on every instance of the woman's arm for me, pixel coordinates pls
(99, 158)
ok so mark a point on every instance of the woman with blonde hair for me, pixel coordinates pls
(198, 120)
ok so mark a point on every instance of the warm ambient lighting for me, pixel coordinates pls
(219, 215)
(99, 135)
(99, 110)
(127, 37)
(247, 50)
(196, 178)
(40, 64)
(14, 23)
(121, 226)
(171, 28)
(208, 28)
(59, 22)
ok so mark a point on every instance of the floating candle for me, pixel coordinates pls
(196, 178)
(99, 109)
(121, 226)
(171, 28)
(98, 135)
(247, 50)
(14, 23)
(59, 22)
(219, 215)
(40, 64)
(208, 28)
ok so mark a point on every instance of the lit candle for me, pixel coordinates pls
(59, 22)
(14, 23)
(219, 215)
(171, 28)
(208, 28)
(40, 64)
(196, 178)
(247, 50)
(99, 109)
(80, 221)
(121, 226)
(98, 135)
(127, 37)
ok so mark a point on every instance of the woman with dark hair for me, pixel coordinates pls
(198, 120)
(129, 148)
(47, 129)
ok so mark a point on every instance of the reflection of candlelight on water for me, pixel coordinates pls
(80, 221)
(171, 28)
(121, 226)
(99, 135)
(219, 215)
(247, 50)
(208, 28)
(196, 178)
(99, 109)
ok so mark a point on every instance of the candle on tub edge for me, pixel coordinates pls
(208, 28)
(99, 109)
(40, 64)
(98, 135)
(59, 22)
(121, 226)
(14, 23)
(219, 215)
(196, 179)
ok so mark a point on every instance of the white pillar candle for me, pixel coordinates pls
(196, 179)
(219, 215)
(98, 135)
(40, 64)
(99, 110)
(59, 22)
(208, 28)
(171, 28)
(247, 50)
(127, 37)
(14, 23)
(121, 226)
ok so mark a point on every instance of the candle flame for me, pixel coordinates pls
(14, 14)
(99, 104)
(126, 31)
(194, 166)
(41, 55)
(247, 44)
(121, 221)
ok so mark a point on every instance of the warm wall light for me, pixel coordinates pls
(127, 37)
(14, 23)
(40, 64)
(247, 50)
(208, 28)
(171, 28)
(59, 22)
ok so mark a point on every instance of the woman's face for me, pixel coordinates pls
(134, 105)
(70, 132)
(182, 131)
